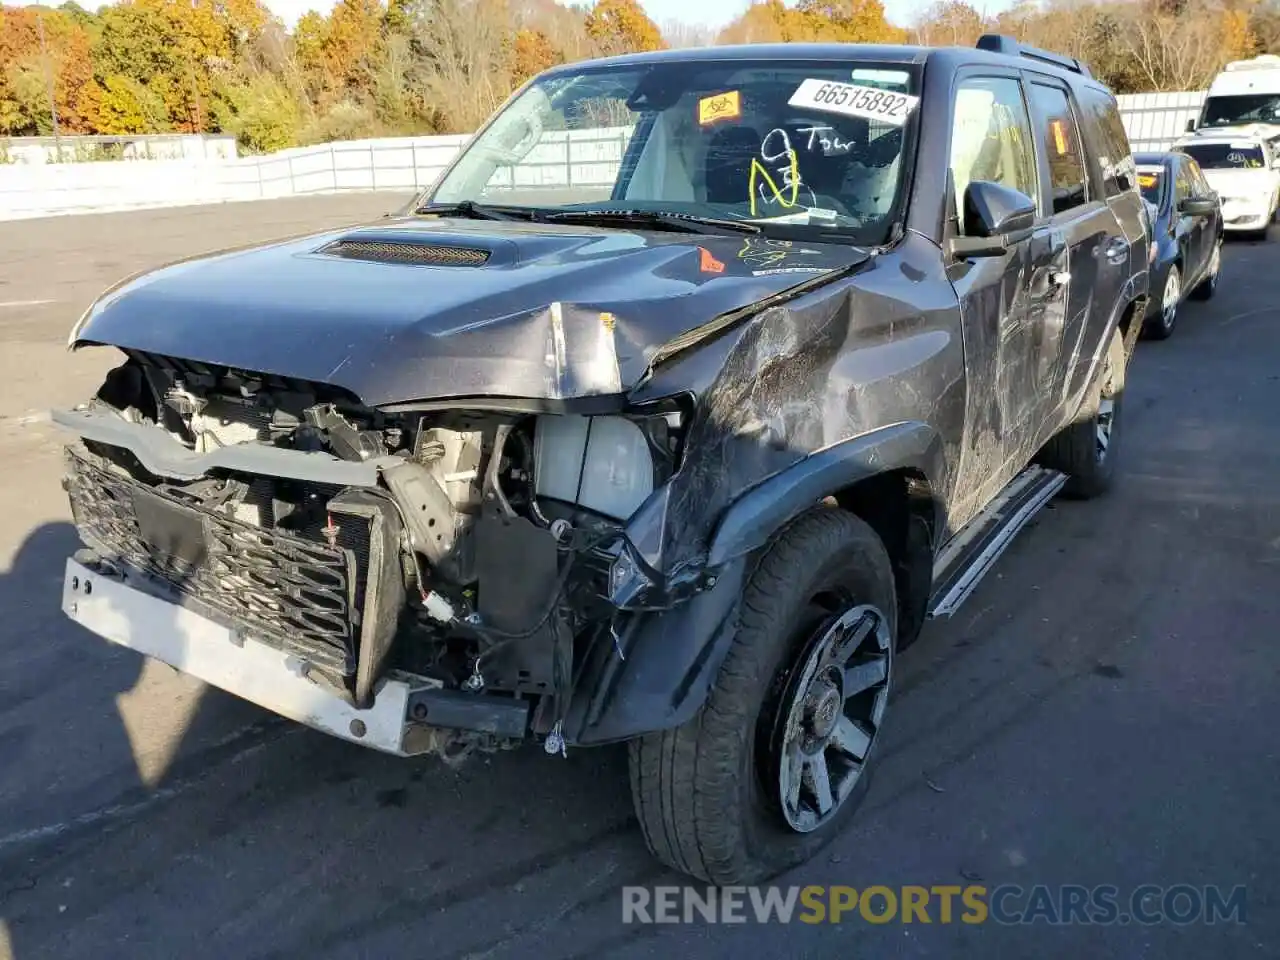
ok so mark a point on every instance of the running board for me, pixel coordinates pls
(972, 552)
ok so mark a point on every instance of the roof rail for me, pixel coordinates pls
(998, 43)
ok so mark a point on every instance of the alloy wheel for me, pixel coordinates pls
(831, 715)
(1169, 302)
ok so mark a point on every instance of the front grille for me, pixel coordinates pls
(291, 593)
(385, 252)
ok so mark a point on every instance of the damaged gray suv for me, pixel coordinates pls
(693, 387)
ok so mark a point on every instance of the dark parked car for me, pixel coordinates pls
(677, 445)
(1187, 234)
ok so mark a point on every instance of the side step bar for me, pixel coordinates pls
(972, 552)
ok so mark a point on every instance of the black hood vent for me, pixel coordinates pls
(383, 251)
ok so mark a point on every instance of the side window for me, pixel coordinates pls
(1060, 138)
(991, 137)
(1183, 184)
(1115, 157)
(1198, 181)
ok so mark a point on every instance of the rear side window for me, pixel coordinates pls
(1115, 157)
(1151, 181)
(1060, 138)
(991, 137)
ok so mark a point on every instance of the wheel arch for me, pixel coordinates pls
(891, 478)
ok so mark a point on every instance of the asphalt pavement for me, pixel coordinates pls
(1102, 711)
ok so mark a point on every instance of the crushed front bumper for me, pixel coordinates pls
(402, 719)
(220, 656)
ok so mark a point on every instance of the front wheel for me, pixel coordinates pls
(776, 761)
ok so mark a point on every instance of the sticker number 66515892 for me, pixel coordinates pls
(854, 100)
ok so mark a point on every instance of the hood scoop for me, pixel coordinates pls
(406, 251)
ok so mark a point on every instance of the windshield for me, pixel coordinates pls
(1151, 183)
(770, 141)
(1226, 156)
(1242, 109)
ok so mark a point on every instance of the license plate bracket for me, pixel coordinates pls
(170, 530)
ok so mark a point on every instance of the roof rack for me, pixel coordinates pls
(998, 43)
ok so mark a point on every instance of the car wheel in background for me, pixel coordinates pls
(1209, 285)
(1160, 327)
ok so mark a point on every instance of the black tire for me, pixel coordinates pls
(1161, 326)
(706, 794)
(1077, 450)
(1209, 285)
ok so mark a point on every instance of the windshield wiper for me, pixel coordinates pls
(479, 211)
(658, 219)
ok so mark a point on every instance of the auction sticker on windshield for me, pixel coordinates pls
(854, 101)
(722, 106)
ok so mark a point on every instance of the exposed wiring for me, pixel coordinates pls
(495, 465)
(538, 516)
(504, 638)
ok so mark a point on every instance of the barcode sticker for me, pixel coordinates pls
(854, 101)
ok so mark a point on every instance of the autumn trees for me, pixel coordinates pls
(1133, 45)
(385, 67)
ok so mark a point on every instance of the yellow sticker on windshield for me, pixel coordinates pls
(722, 106)
(1147, 180)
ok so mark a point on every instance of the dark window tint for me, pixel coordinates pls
(1242, 109)
(1151, 183)
(1060, 139)
(1102, 118)
(1226, 156)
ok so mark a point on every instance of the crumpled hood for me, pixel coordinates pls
(552, 312)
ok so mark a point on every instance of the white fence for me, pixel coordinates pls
(162, 146)
(405, 164)
(1155, 120)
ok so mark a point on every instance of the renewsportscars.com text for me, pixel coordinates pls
(1008, 904)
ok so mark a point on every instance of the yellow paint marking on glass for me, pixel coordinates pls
(758, 170)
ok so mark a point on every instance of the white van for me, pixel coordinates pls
(1241, 169)
(1244, 97)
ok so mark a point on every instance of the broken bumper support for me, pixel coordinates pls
(400, 720)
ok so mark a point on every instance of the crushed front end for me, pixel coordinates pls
(424, 580)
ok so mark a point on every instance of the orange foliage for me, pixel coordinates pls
(813, 21)
(532, 53)
(25, 69)
(622, 26)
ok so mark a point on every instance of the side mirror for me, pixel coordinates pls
(995, 217)
(1191, 125)
(1197, 206)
